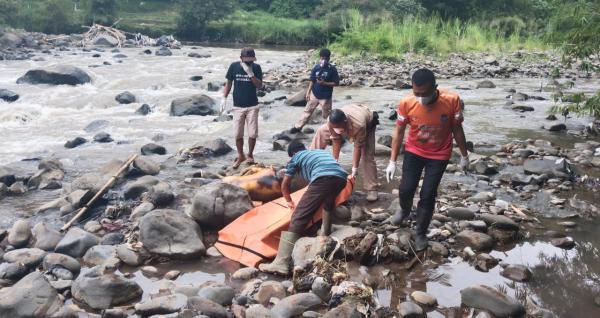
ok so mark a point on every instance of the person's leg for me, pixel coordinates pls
(239, 119)
(434, 171)
(368, 167)
(412, 168)
(337, 185)
(310, 202)
(252, 124)
(321, 137)
(326, 107)
(309, 109)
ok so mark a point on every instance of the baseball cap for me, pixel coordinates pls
(248, 54)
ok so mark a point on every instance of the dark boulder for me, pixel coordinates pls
(56, 75)
(8, 96)
(125, 98)
(201, 105)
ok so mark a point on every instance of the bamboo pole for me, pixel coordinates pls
(106, 186)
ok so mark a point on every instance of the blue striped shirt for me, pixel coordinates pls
(313, 164)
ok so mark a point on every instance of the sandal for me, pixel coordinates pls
(237, 162)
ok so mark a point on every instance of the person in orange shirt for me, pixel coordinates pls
(434, 116)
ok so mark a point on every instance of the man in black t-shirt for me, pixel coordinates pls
(323, 78)
(246, 77)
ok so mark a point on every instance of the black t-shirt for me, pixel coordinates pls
(244, 91)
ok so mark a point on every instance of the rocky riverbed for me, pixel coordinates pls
(515, 236)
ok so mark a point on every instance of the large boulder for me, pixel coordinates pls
(171, 233)
(19, 234)
(11, 40)
(199, 104)
(45, 236)
(217, 204)
(8, 96)
(295, 305)
(125, 98)
(105, 255)
(32, 296)
(30, 257)
(161, 305)
(105, 291)
(476, 240)
(298, 99)
(76, 242)
(56, 75)
(490, 299)
(545, 166)
(53, 260)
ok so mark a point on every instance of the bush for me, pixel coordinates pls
(195, 15)
(580, 105)
(101, 12)
(9, 10)
(59, 17)
(294, 8)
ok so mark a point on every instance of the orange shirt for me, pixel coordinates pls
(430, 134)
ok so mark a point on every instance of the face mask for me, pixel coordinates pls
(339, 131)
(248, 63)
(324, 62)
(425, 100)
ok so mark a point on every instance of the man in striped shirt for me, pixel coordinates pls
(327, 179)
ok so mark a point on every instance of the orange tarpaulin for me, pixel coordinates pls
(254, 237)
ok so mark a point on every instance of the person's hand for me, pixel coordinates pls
(307, 97)
(291, 205)
(320, 81)
(390, 171)
(223, 105)
(464, 163)
(354, 173)
(248, 69)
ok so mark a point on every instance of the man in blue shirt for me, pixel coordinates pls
(323, 78)
(327, 179)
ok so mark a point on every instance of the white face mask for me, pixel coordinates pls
(324, 62)
(425, 100)
(339, 131)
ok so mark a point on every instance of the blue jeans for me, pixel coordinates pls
(412, 168)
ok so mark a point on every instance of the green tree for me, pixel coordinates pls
(195, 15)
(101, 12)
(294, 8)
(251, 5)
(58, 17)
(9, 12)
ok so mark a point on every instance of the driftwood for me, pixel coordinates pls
(100, 193)
(98, 30)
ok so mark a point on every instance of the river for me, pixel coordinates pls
(44, 118)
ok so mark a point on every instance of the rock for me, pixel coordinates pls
(8, 96)
(141, 210)
(459, 213)
(153, 149)
(486, 84)
(196, 78)
(30, 257)
(32, 296)
(146, 166)
(172, 274)
(558, 127)
(6, 177)
(56, 75)
(17, 188)
(172, 234)
(125, 98)
(92, 226)
(521, 97)
(424, 298)
(220, 294)
(105, 255)
(519, 273)
(199, 104)
(76, 242)
(214, 148)
(551, 117)
(245, 273)
(45, 236)
(13, 271)
(545, 166)
(78, 141)
(52, 260)
(96, 125)
(482, 197)
(161, 305)
(163, 51)
(490, 60)
(345, 310)
(563, 242)
(103, 137)
(133, 190)
(105, 291)
(19, 234)
(307, 249)
(217, 204)
(267, 290)
(280, 145)
(61, 286)
(144, 110)
(206, 307)
(129, 256)
(476, 240)
(298, 99)
(321, 288)
(490, 299)
(10, 40)
(259, 311)
(499, 221)
(115, 238)
(385, 140)
(199, 55)
(62, 273)
(409, 309)
(295, 305)
(215, 86)
(105, 40)
(483, 168)
(522, 108)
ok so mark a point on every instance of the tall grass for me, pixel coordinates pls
(264, 28)
(389, 39)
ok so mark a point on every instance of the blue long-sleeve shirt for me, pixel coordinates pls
(313, 164)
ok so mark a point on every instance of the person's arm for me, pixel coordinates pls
(227, 88)
(461, 140)
(309, 90)
(335, 80)
(327, 84)
(397, 139)
(356, 158)
(257, 78)
(336, 146)
(285, 190)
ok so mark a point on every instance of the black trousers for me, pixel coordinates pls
(321, 192)
(412, 168)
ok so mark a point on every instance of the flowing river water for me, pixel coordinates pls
(39, 123)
